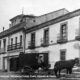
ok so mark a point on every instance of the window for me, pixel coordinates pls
(40, 59)
(11, 41)
(4, 44)
(63, 55)
(20, 38)
(15, 40)
(33, 39)
(46, 35)
(64, 31)
(34, 20)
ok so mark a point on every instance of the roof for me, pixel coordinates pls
(30, 16)
(36, 26)
(60, 10)
(21, 16)
(47, 17)
(15, 28)
(12, 29)
(53, 21)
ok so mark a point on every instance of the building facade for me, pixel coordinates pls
(56, 34)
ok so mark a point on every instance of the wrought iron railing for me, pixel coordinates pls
(44, 43)
(31, 45)
(61, 40)
(15, 46)
(77, 34)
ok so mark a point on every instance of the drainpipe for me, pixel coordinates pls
(24, 41)
(79, 42)
(8, 61)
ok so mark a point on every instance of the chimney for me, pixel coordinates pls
(3, 28)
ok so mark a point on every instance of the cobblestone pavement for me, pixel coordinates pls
(12, 76)
(35, 78)
(38, 78)
(28, 79)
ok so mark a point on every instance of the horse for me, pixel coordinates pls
(67, 64)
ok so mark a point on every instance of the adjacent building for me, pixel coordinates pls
(56, 34)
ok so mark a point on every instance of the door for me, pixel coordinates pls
(63, 55)
(4, 63)
(43, 59)
(14, 64)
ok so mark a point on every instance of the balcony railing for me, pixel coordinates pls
(31, 45)
(77, 37)
(61, 40)
(44, 43)
(2, 50)
(15, 46)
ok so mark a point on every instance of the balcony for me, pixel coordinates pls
(15, 46)
(44, 43)
(31, 45)
(2, 50)
(77, 35)
(61, 40)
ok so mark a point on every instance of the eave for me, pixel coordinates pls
(12, 30)
(53, 21)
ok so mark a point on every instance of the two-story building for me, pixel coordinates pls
(55, 34)
(12, 42)
(57, 37)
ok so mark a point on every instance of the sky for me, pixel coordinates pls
(11, 8)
